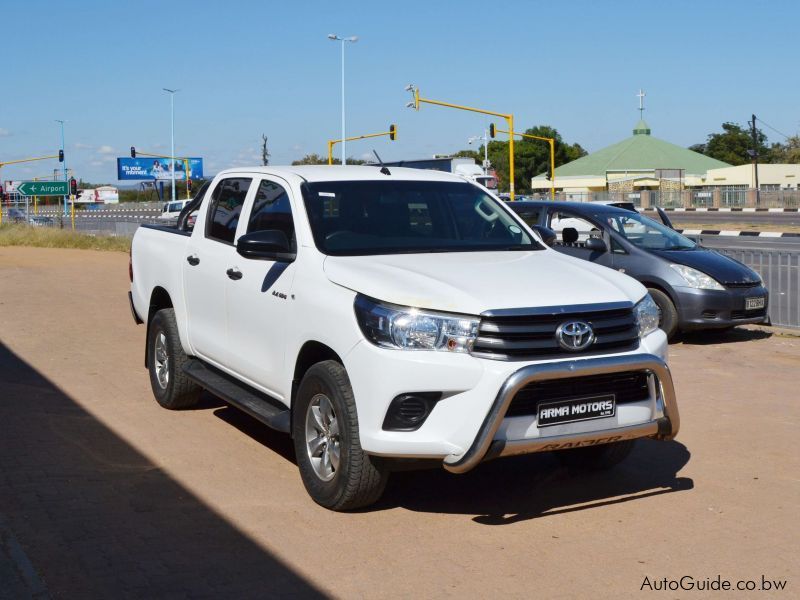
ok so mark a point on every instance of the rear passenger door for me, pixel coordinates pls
(210, 253)
(259, 302)
(572, 231)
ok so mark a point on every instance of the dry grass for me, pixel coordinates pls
(46, 237)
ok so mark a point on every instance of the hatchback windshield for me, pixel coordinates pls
(648, 234)
(396, 217)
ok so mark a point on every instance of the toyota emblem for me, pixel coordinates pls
(574, 335)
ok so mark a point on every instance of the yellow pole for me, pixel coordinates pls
(509, 119)
(72, 210)
(332, 143)
(552, 169)
(330, 151)
(186, 174)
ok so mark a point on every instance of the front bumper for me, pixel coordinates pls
(468, 424)
(709, 309)
(486, 445)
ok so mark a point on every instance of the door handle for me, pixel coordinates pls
(193, 260)
(234, 274)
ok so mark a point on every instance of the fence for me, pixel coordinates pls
(780, 271)
(731, 197)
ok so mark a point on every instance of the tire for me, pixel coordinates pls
(668, 320)
(596, 458)
(354, 480)
(165, 358)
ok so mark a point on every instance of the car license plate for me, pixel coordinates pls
(576, 409)
(754, 303)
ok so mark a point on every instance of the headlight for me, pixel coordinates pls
(405, 328)
(697, 279)
(647, 315)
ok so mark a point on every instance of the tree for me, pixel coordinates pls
(732, 145)
(788, 152)
(264, 152)
(316, 159)
(531, 157)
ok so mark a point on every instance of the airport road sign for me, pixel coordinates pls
(43, 188)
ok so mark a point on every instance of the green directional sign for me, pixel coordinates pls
(43, 188)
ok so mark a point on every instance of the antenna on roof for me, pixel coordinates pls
(384, 170)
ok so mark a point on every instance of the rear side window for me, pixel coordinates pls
(272, 210)
(226, 206)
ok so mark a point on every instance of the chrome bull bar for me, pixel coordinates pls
(485, 446)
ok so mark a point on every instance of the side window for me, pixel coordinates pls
(225, 207)
(572, 229)
(531, 216)
(616, 247)
(272, 210)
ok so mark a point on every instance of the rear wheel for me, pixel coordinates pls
(336, 472)
(667, 313)
(165, 359)
(599, 457)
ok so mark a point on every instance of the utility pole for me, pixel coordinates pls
(754, 154)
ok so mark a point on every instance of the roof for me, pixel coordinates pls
(313, 173)
(640, 152)
(579, 207)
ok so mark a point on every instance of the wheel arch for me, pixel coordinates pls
(310, 354)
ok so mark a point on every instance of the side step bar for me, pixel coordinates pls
(256, 404)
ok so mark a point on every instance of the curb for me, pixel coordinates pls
(733, 209)
(738, 233)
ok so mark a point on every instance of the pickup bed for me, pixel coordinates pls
(386, 316)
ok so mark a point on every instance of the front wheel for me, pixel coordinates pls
(603, 456)
(336, 472)
(667, 313)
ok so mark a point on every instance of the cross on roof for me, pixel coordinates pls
(641, 96)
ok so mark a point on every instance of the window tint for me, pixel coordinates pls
(530, 215)
(272, 210)
(226, 206)
(572, 229)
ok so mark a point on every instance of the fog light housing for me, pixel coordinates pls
(407, 412)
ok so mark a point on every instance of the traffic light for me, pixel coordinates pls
(73, 187)
(491, 130)
(189, 185)
(60, 156)
(392, 132)
(133, 152)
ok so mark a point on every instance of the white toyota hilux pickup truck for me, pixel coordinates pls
(382, 316)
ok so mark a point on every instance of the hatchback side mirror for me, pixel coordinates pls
(548, 236)
(270, 244)
(596, 244)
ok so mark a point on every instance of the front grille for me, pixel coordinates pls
(534, 335)
(628, 386)
(748, 314)
(741, 284)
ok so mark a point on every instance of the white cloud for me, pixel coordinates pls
(81, 146)
(106, 150)
(4, 132)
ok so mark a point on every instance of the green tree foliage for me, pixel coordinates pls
(316, 159)
(732, 144)
(531, 157)
(788, 152)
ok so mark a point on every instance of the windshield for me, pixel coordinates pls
(395, 217)
(646, 233)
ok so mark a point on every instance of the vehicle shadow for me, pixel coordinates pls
(85, 515)
(730, 336)
(521, 488)
(278, 442)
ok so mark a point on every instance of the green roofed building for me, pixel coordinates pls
(640, 162)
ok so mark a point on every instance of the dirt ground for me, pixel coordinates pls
(104, 494)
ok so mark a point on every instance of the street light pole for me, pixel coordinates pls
(172, 136)
(485, 139)
(64, 164)
(342, 40)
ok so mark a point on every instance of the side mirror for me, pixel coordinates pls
(596, 244)
(548, 236)
(270, 244)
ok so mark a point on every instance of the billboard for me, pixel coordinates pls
(150, 168)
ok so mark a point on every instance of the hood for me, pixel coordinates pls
(473, 282)
(720, 267)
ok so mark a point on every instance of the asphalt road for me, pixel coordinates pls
(106, 495)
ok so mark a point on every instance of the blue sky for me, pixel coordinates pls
(244, 68)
